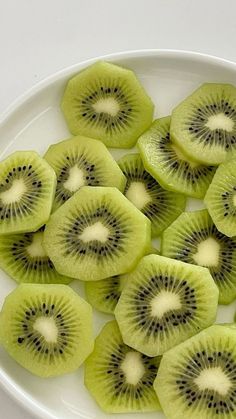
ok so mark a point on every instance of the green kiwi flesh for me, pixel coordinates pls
(204, 124)
(27, 187)
(104, 295)
(162, 207)
(81, 161)
(220, 198)
(47, 329)
(96, 234)
(164, 302)
(193, 238)
(197, 379)
(119, 378)
(169, 165)
(107, 102)
(24, 259)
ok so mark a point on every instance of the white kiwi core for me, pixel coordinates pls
(208, 253)
(46, 326)
(213, 379)
(108, 105)
(138, 195)
(220, 121)
(35, 249)
(133, 367)
(75, 180)
(14, 193)
(96, 231)
(164, 302)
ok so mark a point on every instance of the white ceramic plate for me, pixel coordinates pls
(34, 122)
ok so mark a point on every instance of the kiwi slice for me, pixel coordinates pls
(96, 234)
(204, 124)
(164, 302)
(24, 259)
(119, 378)
(220, 198)
(162, 207)
(104, 295)
(197, 379)
(168, 165)
(82, 161)
(107, 102)
(46, 328)
(27, 187)
(193, 238)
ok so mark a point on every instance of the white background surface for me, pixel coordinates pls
(38, 38)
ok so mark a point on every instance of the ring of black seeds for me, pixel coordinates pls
(191, 173)
(28, 200)
(115, 241)
(110, 123)
(227, 248)
(141, 306)
(21, 255)
(27, 336)
(227, 200)
(210, 399)
(88, 169)
(120, 386)
(162, 197)
(196, 125)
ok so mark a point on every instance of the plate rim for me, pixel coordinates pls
(13, 390)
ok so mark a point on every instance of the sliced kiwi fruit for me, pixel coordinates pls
(27, 188)
(204, 124)
(197, 379)
(104, 295)
(164, 302)
(107, 102)
(119, 378)
(24, 259)
(162, 207)
(46, 328)
(96, 234)
(169, 165)
(193, 238)
(220, 198)
(82, 161)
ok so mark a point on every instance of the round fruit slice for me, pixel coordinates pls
(96, 234)
(168, 165)
(82, 161)
(27, 187)
(107, 102)
(104, 295)
(46, 328)
(159, 205)
(193, 238)
(197, 379)
(220, 198)
(119, 378)
(165, 302)
(23, 257)
(204, 124)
